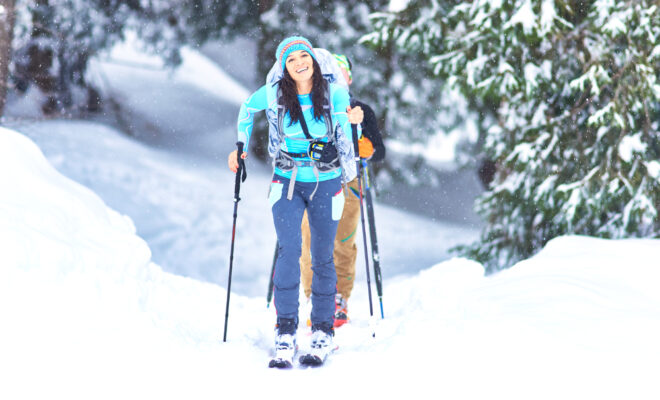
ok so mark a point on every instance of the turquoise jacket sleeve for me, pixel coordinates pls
(340, 100)
(258, 101)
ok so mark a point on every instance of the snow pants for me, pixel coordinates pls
(324, 211)
(345, 252)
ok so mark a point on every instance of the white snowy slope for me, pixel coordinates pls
(86, 314)
(191, 108)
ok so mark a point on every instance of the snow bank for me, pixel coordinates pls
(86, 315)
(46, 217)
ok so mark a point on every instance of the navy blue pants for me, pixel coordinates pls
(324, 211)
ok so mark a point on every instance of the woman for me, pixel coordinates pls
(302, 122)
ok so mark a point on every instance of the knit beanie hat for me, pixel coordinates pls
(343, 62)
(291, 44)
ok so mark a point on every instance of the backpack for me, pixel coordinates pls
(275, 112)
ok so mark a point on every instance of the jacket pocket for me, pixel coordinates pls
(275, 193)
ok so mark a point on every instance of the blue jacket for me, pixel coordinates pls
(265, 98)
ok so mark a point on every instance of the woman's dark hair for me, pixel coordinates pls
(289, 96)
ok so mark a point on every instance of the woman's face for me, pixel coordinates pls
(300, 65)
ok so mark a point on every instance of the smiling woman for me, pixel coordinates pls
(299, 65)
(302, 76)
(310, 140)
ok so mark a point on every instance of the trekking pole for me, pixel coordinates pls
(364, 231)
(241, 174)
(271, 283)
(375, 256)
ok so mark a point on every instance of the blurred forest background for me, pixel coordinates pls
(547, 112)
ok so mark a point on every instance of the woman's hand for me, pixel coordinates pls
(355, 115)
(232, 160)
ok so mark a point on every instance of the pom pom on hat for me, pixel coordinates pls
(291, 44)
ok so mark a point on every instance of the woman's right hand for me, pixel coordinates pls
(232, 160)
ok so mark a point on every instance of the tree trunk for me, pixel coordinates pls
(6, 35)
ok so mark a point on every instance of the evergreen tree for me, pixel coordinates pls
(60, 36)
(576, 86)
(6, 35)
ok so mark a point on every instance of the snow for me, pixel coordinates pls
(195, 69)
(439, 149)
(548, 16)
(397, 5)
(113, 285)
(524, 16)
(615, 26)
(654, 169)
(630, 145)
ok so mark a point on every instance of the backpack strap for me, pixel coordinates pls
(287, 162)
(303, 123)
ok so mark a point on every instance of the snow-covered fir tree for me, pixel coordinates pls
(576, 89)
(56, 38)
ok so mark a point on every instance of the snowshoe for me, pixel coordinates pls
(321, 346)
(285, 350)
(285, 344)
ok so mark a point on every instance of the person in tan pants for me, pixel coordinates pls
(345, 250)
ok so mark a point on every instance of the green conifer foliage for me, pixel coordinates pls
(575, 135)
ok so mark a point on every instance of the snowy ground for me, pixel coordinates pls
(88, 315)
(99, 303)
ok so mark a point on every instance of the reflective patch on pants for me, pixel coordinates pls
(275, 193)
(337, 205)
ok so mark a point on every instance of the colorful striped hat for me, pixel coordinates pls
(343, 62)
(291, 44)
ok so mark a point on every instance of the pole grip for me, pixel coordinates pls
(356, 146)
(240, 145)
(241, 173)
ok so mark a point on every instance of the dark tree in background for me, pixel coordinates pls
(59, 39)
(6, 35)
(575, 90)
(54, 49)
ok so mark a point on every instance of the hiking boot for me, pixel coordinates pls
(320, 346)
(341, 311)
(285, 350)
(285, 344)
(286, 326)
(321, 340)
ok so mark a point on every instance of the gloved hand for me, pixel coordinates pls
(365, 147)
(232, 160)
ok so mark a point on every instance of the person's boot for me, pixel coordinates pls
(285, 344)
(320, 346)
(341, 311)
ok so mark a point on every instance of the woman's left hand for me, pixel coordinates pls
(355, 115)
